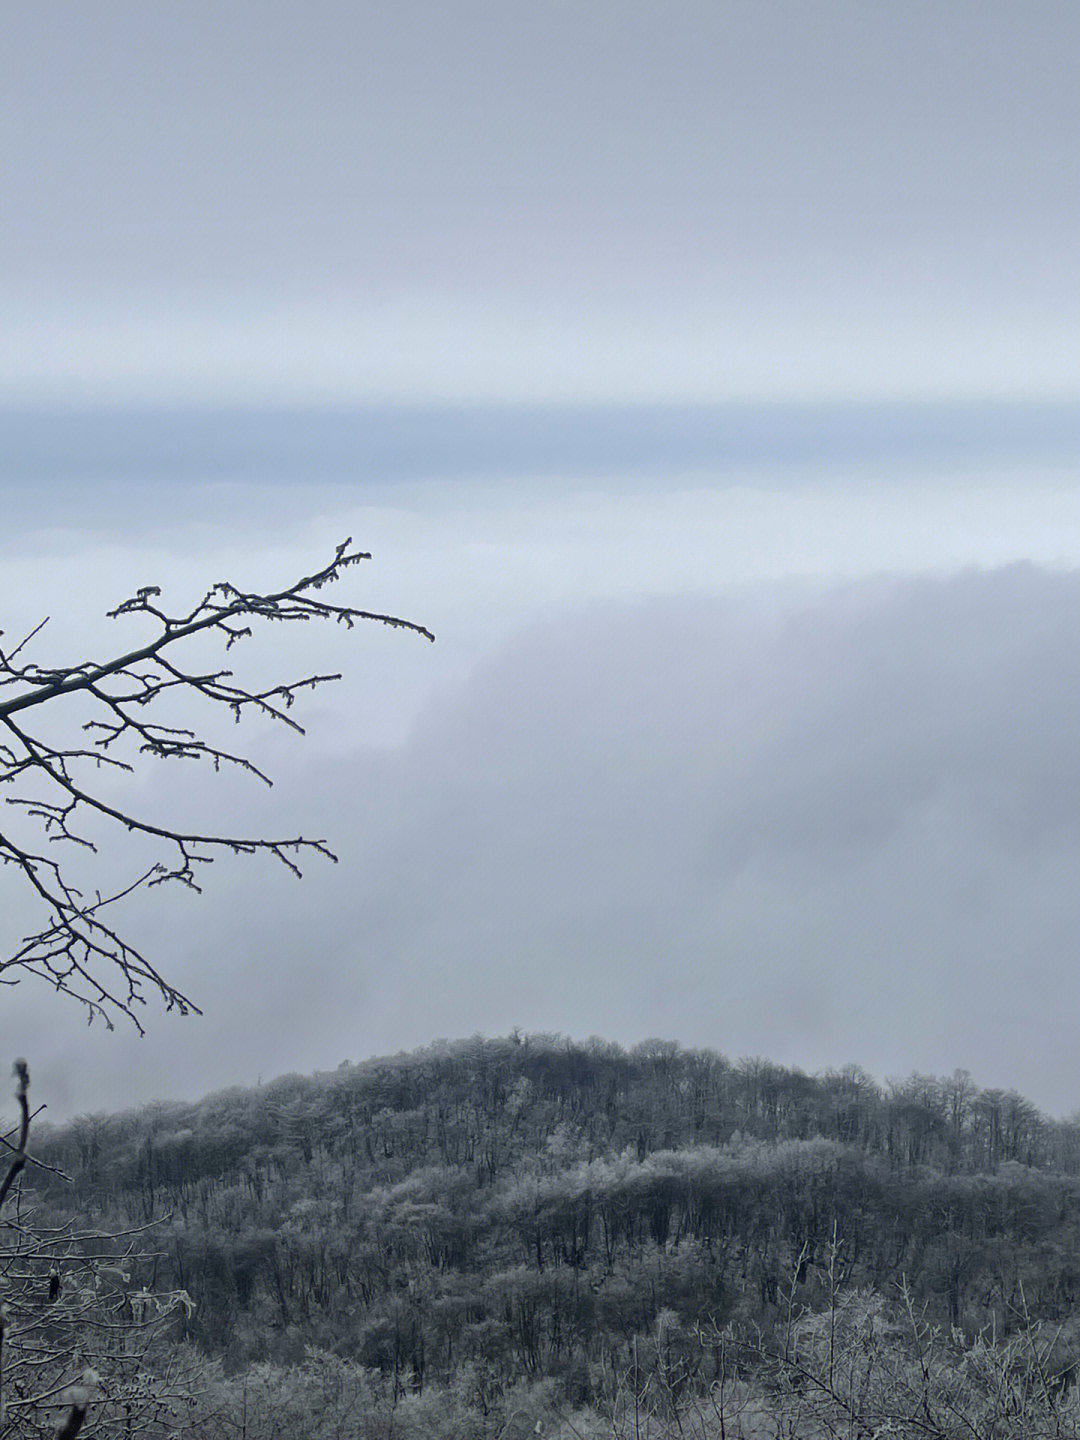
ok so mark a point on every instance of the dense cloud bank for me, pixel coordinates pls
(828, 830)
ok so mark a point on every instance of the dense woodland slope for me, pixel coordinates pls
(531, 1210)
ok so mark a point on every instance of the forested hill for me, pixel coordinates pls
(530, 1205)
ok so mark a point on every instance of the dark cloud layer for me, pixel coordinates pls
(846, 829)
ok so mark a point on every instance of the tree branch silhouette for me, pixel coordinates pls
(77, 948)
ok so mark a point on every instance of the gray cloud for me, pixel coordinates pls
(839, 829)
(608, 198)
(207, 145)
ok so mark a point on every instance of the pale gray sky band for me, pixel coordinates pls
(274, 202)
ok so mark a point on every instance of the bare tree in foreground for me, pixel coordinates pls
(75, 945)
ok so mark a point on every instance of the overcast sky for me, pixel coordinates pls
(493, 198)
(756, 731)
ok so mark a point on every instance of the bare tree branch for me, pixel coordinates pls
(75, 948)
(18, 1160)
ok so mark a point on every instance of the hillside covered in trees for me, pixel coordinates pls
(572, 1228)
